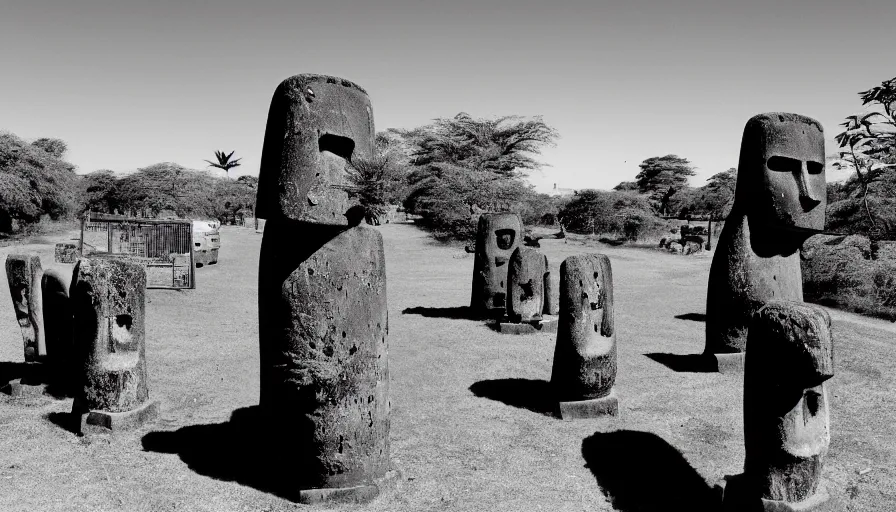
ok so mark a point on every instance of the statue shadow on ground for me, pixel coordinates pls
(33, 374)
(694, 317)
(232, 451)
(455, 313)
(531, 394)
(685, 363)
(65, 421)
(640, 471)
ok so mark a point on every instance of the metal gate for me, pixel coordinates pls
(163, 247)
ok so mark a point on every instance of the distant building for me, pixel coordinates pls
(561, 192)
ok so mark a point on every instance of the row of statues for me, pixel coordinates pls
(84, 335)
(323, 321)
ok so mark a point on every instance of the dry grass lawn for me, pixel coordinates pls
(471, 422)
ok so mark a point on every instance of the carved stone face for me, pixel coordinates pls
(108, 299)
(497, 236)
(593, 308)
(525, 285)
(786, 417)
(585, 355)
(316, 126)
(781, 174)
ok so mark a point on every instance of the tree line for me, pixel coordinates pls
(449, 171)
(36, 182)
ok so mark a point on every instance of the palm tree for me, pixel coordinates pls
(224, 161)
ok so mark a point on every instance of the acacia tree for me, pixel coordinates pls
(868, 147)
(463, 165)
(717, 196)
(661, 177)
(34, 181)
(99, 192)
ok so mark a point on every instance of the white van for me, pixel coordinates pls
(206, 242)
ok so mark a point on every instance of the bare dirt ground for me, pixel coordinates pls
(471, 422)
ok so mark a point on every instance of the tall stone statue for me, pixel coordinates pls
(323, 320)
(58, 325)
(584, 372)
(790, 356)
(108, 299)
(779, 202)
(497, 236)
(24, 273)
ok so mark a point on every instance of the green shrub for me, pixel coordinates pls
(851, 273)
(616, 213)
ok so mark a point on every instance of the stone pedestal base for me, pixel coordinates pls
(546, 324)
(737, 497)
(358, 494)
(593, 408)
(116, 421)
(18, 389)
(730, 363)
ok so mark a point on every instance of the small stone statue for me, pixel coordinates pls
(108, 300)
(24, 273)
(790, 356)
(584, 370)
(497, 236)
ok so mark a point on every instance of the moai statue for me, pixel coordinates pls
(24, 273)
(584, 370)
(779, 203)
(528, 293)
(108, 300)
(322, 303)
(786, 417)
(497, 236)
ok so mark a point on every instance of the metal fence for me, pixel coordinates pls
(163, 247)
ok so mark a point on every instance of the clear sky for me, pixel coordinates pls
(131, 83)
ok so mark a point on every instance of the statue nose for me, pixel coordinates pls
(806, 200)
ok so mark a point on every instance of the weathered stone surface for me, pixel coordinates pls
(324, 354)
(786, 415)
(592, 408)
(66, 253)
(729, 362)
(546, 324)
(585, 355)
(58, 315)
(108, 303)
(549, 292)
(740, 496)
(525, 285)
(779, 202)
(117, 421)
(316, 124)
(357, 494)
(497, 236)
(24, 273)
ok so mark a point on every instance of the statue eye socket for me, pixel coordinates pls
(814, 167)
(784, 164)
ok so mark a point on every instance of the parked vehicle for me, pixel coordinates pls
(206, 242)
